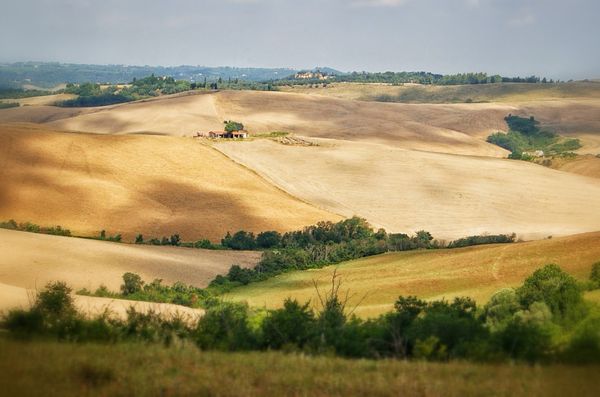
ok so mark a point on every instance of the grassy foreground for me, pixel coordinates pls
(63, 369)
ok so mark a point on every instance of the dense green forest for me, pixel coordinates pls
(525, 136)
(544, 320)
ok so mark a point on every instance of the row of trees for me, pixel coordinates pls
(33, 228)
(314, 246)
(545, 319)
(417, 77)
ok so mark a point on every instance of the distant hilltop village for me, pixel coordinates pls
(316, 75)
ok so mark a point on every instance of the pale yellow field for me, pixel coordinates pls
(417, 93)
(29, 261)
(44, 100)
(451, 196)
(587, 165)
(450, 128)
(132, 184)
(15, 297)
(375, 283)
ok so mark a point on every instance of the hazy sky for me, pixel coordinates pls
(559, 39)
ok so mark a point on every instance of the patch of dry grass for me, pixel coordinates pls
(149, 370)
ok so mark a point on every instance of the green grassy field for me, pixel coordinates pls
(63, 369)
(375, 283)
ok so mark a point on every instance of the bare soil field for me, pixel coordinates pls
(448, 195)
(133, 184)
(375, 283)
(587, 165)
(31, 260)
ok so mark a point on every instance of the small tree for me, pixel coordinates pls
(55, 300)
(175, 240)
(132, 283)
(268, 239)
(233, 126)
(139, 239)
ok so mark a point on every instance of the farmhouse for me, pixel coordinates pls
(242, 134)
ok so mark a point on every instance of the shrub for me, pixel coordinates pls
(132, 283)
(292, 325)
(557, 289)
(225, 327)
(55, 300)
(241, 240)
(524, 340)
(268, 239)
(500, 309)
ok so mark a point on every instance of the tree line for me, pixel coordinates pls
(397, 78)
(544, 320)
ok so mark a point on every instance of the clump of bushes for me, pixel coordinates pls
(33, 228)
(134, 288)
(483, 239)
(545, 319)
(524, 134)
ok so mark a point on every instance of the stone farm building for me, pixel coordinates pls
(227, 135)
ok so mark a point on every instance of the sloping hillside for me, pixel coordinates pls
(376, 282)
(451, 196)
(137, 184)
(450, 128)
(30, 260)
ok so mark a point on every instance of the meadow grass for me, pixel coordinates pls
(374, 283)
(63, 369)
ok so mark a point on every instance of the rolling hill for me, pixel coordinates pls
(133, 184)
(449, 128)
(376, 282)
(448, 195)
(28, 261)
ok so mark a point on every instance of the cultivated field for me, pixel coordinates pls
(28, 261)
(101, 370)
(449, 128)
(132, 184)
(417, 93)
(44, 100)
(375, 283)
(405, 191)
